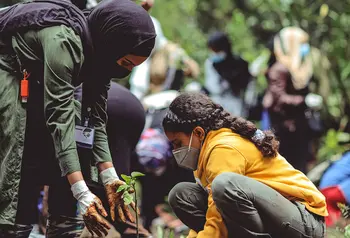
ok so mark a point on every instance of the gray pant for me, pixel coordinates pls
(248, 207)
(15, 231)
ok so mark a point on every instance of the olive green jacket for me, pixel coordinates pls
(55, 56)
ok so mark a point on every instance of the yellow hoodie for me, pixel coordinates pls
(225, 151)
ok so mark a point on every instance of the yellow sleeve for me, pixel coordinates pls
(223, 158)
(192, 234)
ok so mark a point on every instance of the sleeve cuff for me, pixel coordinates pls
(69, 162)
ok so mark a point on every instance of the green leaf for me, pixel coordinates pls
(137, 174)
(343, 137)
(126, 178)
(122, 188)
(347, 231)
(127, 195)
(127, 201)
(127, 198)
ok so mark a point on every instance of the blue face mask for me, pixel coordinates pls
(218, 57)
(304, 50)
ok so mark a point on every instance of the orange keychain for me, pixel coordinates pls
(25, 87)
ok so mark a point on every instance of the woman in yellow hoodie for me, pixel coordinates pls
(244, 187)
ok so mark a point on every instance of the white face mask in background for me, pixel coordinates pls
(187, 156)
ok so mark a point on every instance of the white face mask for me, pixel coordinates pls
(187, 156)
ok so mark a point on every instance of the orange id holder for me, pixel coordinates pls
(25, 87)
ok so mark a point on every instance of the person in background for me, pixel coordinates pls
(244, 188)
(165, 69)
(335, 186)
(288, 75)
(139, 79)
(226, 75)
(43, 59)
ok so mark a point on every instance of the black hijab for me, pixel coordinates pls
(233, 69)
(118, 28)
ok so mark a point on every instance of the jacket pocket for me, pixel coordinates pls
(295, 230)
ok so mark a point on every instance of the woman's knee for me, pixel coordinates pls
(229, 183)
(185, 193)
(178, 192)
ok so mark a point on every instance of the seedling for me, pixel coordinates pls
(130, 184)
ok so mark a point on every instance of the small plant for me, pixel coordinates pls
(130, 185)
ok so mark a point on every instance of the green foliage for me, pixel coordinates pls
(330, 145)
(130, 182)
(347, 231)
(126, 178)
(122, 188)
(128, 198)
(137, 175)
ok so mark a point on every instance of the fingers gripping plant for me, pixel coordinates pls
(130, 185)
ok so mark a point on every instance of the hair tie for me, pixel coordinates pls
(259, 135)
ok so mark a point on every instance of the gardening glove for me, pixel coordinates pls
(111, 183)
(90, 207)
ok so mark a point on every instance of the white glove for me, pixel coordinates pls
(109, 175)
(90, 206)
(84, 196)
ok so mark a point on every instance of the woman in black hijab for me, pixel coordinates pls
(123, 37)
(227, 75)
(57, 49)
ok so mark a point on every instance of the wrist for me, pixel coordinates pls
(108, 175)
(104, 165)
(79, 189)
(75, 177)
(84, 196)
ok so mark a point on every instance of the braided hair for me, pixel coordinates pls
(190, 110)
